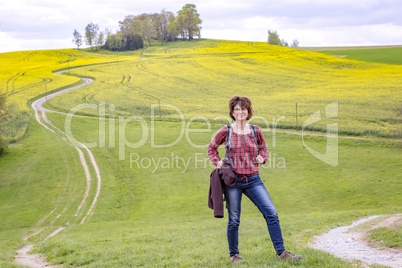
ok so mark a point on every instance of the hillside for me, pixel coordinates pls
(152, 207)
(384, 54)
(198, 77)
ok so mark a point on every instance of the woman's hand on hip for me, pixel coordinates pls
(219, 165)
(260, 159)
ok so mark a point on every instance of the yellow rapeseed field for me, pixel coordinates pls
(27, 74)
(197, 79)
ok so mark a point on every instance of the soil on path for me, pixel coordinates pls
(345, 243)
(23, 256)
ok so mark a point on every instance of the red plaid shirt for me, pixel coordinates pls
(244, 150)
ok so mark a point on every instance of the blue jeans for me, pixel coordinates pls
(255, 190)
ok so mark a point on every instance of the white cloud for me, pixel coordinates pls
(8, 43)
(37, 24)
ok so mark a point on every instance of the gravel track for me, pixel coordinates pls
(38, 260)
(350, 245)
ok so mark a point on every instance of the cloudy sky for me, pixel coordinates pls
(48, 24)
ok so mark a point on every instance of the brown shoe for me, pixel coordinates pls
(235, 259)
(288, 256)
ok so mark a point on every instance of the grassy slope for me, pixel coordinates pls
(198, 77)
(26, 74)
(388, 236)
(148, 218)
(392, 55)
(161, 219)
(37, 176)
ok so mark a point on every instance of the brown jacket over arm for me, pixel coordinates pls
(218, 179)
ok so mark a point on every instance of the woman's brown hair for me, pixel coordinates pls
(243, 102)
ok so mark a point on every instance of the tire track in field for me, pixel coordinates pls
(38, 106)
(125, 79)
(12, 89)
(32, 85)
(23, 256)
(10, 83)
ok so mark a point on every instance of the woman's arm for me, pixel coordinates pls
(219, 138)
(261, 147)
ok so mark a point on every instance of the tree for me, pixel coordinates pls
(161, 23)
(100, 39)
(189, 21)
(107, 33)
(172, 29)
(150, 27)
(120, 41)
(148, 30)
(131, 25)
(77, 39)
(133, 42)
(138, 43)
(273, 38)
(91, 33)
(163, 26)
(295, 43)
(181, 27)
(116, 42)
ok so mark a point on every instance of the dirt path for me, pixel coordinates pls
(31, 260)
(345, 243)
(37, 260)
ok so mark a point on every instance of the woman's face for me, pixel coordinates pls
(239, 113)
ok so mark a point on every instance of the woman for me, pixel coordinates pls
(246, 156)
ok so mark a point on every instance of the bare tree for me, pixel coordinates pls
(77, 38)
(295, 43)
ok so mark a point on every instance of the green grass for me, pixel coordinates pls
(388, 236)
(161, 218)
(37, 175)
(148, 216)
(391, 55)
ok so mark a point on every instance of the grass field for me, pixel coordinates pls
(388, 236)
(25, 75)
(391, 55)
(159, 217)
(156, 215)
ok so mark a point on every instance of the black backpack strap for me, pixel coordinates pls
(228, 152)
(254, 134)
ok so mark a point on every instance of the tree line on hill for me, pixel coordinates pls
(135, 30)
